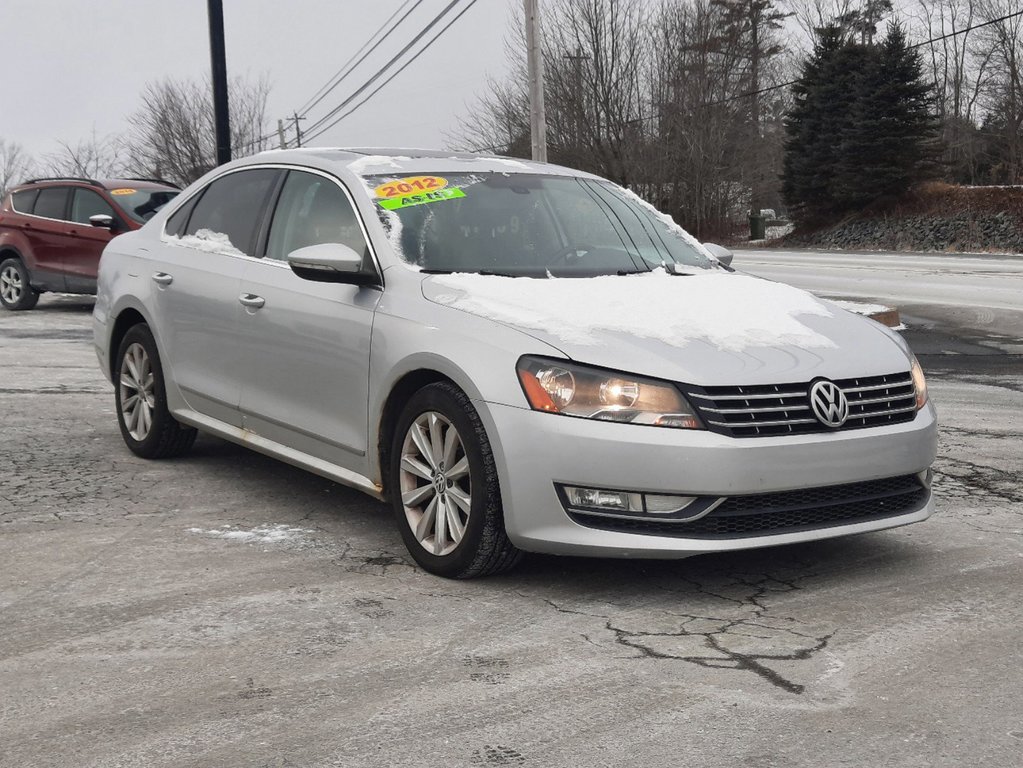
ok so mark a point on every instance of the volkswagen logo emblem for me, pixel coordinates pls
(829, 403)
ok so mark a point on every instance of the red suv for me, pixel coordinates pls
(52, 232)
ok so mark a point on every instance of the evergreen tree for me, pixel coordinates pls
(890, 141)
(822, 97)
(861, 127)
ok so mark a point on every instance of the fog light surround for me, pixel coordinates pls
(607, 502)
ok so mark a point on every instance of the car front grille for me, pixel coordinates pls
(784, 409)
(767, 514)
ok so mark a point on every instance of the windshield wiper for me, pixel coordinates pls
(492, 273)
(674, 268)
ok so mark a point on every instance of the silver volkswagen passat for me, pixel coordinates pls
(517, 356)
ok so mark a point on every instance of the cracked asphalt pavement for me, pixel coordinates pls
(226, 609)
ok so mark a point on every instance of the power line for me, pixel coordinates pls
(338, 77)
(398, 72)
(319, 123)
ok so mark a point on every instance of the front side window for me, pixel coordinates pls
(313, 210)
(87, 203)
(527, 225)
(51, 203)
(226, 218)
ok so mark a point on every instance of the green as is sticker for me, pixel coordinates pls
(420, 198)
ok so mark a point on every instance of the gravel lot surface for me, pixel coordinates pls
(229, 610)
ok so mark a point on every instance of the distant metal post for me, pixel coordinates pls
(218, 68)
(534, 58)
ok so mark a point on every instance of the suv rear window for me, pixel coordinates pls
(24, 199)
(142, 204)
(51, 203)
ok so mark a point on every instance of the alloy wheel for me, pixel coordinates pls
(136, 392)
(11, 285)
(434, 483)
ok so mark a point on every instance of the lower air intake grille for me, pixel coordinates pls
(767, 514)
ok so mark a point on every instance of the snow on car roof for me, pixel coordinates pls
(384, 160)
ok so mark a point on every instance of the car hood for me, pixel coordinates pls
(710, 328)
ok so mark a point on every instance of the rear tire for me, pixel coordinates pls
(444, 487)
(140, 397)
(16, 293)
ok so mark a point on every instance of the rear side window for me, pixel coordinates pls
(230, 211)
(176, 222)
(87, 203)
(51, 203)
(24, 199)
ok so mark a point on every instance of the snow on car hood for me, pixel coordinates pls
(707, 328)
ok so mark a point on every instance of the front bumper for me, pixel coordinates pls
(535, 451)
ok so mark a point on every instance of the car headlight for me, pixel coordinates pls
(557, 386)
(919, 383)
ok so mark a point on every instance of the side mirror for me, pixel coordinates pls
(103, 221)
(720, 253)
(329, 263)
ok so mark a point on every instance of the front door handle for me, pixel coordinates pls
(251, 300)
(162, 278)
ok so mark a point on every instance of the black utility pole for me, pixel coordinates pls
(218, 62)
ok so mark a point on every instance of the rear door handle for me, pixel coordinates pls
(251, 300)
(162, 278)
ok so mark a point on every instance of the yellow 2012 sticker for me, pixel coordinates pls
(122, 191)
(410, 186)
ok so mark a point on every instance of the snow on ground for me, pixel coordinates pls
(860, 308)
(271, 533)
(773, 233)
(731, 311)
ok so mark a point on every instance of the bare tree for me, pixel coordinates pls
(814, 15)
(95, 157)
(15, 165)
(172, 133)
(1004, 39)
(960, 69)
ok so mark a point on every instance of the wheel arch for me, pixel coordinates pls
(10, 252)
(402, 389)
(127, 318)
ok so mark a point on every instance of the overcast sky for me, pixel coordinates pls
(74, 65)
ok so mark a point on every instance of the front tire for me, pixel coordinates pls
(445, 492)
(16, 293)
(147, 426)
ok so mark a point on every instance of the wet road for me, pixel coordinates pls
(970, 281)
(228, 610)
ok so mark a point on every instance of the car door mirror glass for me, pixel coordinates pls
(720, 253)
(102, 220)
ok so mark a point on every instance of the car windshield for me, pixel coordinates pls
(528, 225)
(142, 204)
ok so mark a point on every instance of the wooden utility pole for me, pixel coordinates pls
(280, 134)
(298, 129)
(218, 72)
(534, 58)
